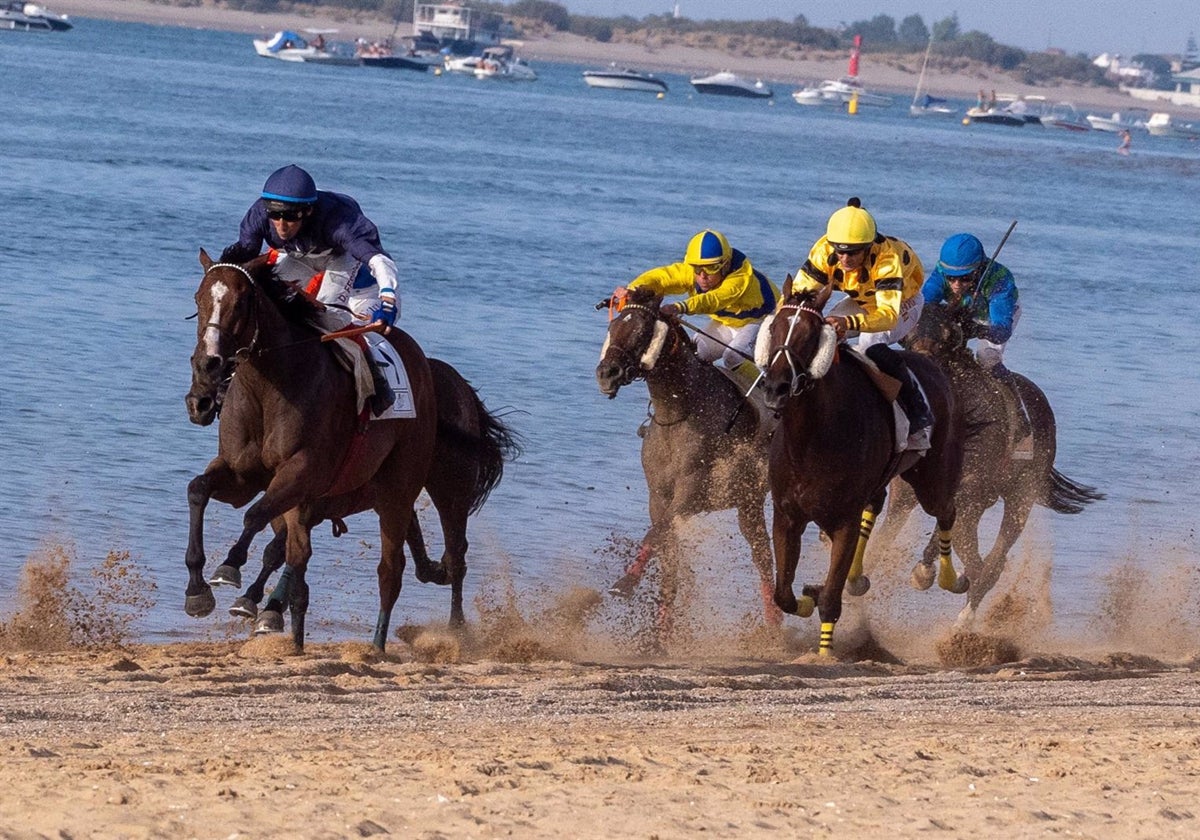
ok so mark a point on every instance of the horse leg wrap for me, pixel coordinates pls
(947, 576)
(826, 638)
(865, 527)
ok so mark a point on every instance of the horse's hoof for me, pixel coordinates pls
(961, 585)
(226, 575)
(269, 622)
(805, 606)
(200, 605)
(858, 586)
(922, 577)
(243, 607)
(624, 587)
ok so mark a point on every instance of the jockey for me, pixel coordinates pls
(720, 282)
(988, 304)
(881, 277)
(326, 244)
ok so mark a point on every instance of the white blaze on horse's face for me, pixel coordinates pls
(212, 333)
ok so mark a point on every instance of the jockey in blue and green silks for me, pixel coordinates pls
(991, 302)
(720, 282)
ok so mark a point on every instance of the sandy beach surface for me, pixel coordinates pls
(887, 75)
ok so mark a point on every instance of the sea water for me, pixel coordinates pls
(510, 211)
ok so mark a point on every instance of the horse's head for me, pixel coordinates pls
(636, 337)
(938, 333)
(795, 347)
(226, 331)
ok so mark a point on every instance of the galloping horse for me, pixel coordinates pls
(990, 473)
(834, 452)
(702, 450)
(472, 446)
(289, 429)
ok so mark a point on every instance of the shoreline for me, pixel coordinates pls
(892, 76)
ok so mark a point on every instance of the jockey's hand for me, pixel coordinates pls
(388, 311)
(838, 324)
(670, 311)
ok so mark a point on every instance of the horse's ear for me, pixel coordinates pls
(787, 287)
(205, 260)
(822, 297)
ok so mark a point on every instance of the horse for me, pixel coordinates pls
(703, 449)
(833, 454)
(290, 431)
(468, 462)
(990, 472)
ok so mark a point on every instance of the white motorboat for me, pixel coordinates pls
(20, 16)
(842, 91)
(624, 78)
(500, 63)
(731, 84)
(1161, 125)
(926, 105)
(461, 63)
(287, 45)
(1063, 115)
(1130, 120)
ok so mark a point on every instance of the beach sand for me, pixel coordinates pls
(888, 75)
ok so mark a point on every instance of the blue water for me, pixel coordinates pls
(510, 210)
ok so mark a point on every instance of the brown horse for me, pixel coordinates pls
(702, 451)
(472, 446)
(834, 452)
(289, 430)
(990, 472)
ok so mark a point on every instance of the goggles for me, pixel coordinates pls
(850, 250)
(285, 215)
(711, 269)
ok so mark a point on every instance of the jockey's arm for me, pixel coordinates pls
(673, 279)
(885, 313)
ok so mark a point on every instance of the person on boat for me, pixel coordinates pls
(322, 241)
(881, 277)
(719, 281)
(984, 295)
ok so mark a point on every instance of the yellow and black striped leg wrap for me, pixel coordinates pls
(947, 577)
(826, 638)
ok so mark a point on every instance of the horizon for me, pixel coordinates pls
(1089, 26)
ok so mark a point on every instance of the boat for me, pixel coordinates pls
(926, 105)
(500, 63)
(287, 45)
(1161, 125)
(842, 91)
(624, 78)
(462, 63)
(20, 16)
(452, 28)
(1129, 120)
(1016, 112)
(1063, 115)
(726, 83)
(385, 56)
(998, 116)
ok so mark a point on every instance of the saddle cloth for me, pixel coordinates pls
(389, 362)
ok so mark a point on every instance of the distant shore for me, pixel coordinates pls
(891, 76)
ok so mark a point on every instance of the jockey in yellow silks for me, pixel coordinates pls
(720, 282)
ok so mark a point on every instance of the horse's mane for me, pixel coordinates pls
(295, 305)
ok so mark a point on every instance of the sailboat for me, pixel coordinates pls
(844, 90)
(926, 105)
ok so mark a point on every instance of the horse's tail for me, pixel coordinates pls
(1062, 495)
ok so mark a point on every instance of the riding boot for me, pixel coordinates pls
(912, 401)
(1023, 433)
(384, 396)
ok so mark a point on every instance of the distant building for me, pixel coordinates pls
(1123, 72)
(1191, 53)
(1187, 81)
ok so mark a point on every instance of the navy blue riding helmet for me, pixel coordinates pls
(290, 185)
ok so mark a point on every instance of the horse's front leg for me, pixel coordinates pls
(217, 481)
(829, 601)
(857, 583)
(753, 525)
(785, 539)
(636, 570)
(986, 573)
(274, 555)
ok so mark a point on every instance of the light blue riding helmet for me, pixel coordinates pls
(961, 254)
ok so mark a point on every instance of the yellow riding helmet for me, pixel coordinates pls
(850, 226)
(708, 247)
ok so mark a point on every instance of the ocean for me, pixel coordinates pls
(510, 211)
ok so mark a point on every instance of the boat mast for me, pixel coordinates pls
(921, 78)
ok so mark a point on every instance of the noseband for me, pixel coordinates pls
(804, 377)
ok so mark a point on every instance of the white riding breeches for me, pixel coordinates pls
(337, 281)
(910, 313)
(738, 338)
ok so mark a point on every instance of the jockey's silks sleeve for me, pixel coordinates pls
(995, 306)
(744, 296)
(891, 273)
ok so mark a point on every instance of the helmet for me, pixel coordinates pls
(961, 254)
(851, 226)
(290, 185)
(708, 247)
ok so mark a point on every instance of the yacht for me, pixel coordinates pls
(1134, 118)
(29, 17)
(1161, 125)
(624, 78)
(842, 91)
(287, 45)
(730, 84)
(500, 63)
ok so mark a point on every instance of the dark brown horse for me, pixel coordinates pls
(468, 462)
(702, 449)
(834, 452)
(990, 472)
(290, 431)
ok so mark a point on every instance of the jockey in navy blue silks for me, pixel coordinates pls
(324, 242)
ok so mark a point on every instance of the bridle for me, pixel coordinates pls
(245, 352)
(803, 377)
(654, 347)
